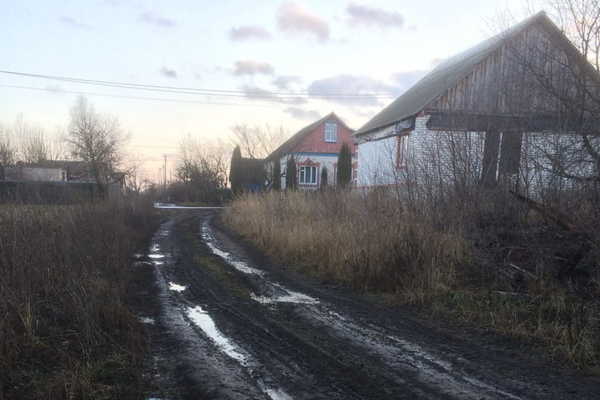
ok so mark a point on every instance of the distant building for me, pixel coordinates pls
(49, 171)
(60, 181)
(496, 100)
(314, 147)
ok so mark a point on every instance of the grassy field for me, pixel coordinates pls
(66, 330)
(445, 259)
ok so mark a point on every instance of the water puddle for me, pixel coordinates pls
(156, 256)
(172, 206)
(147, 320)
(273, 393)
(176, 288)
(239, 265)
(284, 296)
(204, 321)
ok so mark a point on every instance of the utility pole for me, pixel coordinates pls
(165, 174)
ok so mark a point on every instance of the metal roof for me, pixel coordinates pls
(443, 77)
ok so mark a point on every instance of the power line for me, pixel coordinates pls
(257, 93)
(159, 99)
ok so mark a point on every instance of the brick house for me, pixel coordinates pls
(314, 148)
(491, 98)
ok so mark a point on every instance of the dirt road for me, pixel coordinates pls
(226, 324)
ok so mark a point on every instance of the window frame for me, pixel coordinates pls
(302, 175)
(327, 131)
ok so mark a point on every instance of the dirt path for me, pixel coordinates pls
(226, 324)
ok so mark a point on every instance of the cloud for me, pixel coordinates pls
(375, 17)
(248, 32)
(300, 113)
(285, 81)
(293, 18)
(249, 67)
(256, 93)
(73, 23)
(168, 72)
(344, 89)
(149, 17)
(56, 89)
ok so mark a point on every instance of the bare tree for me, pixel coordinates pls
(95, 139)
(8, 152)
(257, 141)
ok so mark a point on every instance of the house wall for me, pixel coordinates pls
(429, 153)
(35, 174)
(315, 142)
(320, 161)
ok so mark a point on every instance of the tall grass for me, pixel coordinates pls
(366, 242)
(65, 329)
(449, 257)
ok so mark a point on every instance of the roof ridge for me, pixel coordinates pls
(453, 64)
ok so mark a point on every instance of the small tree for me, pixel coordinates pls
(234, 172)
(344, 166)
(291, 175)
(324, 177)
(276, 175)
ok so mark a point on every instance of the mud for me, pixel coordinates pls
(226, 323)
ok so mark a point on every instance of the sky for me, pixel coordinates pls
(281, 63)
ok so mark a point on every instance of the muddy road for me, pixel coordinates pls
(224, 323)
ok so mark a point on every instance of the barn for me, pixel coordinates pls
(487, 111)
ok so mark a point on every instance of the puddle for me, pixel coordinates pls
(173, 206)
(204, 321)
(176, 288)
(239, 265)
(290, 297)
(158, 262)
(156, 256)
(278, 394)
(147, 320)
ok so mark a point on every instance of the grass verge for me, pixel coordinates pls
(65, 326)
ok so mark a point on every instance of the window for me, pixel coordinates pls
(402, 151)
(330, 132)
(308, 176)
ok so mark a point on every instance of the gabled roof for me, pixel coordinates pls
(447, 74)
(296, 138)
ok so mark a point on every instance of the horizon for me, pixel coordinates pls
(282, 64)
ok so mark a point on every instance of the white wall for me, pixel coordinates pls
(327, 161)
(377, 162)
(43, 174)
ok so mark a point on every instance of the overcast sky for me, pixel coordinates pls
(249, 48)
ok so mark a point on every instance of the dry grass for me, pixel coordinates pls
(444, 256)
(66, 330)
(368, 243)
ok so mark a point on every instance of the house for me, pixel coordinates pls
(499, 97)
(56, 181)
(314, 148)
(50, 171)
